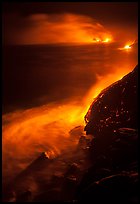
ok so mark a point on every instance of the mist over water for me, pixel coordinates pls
(47, 90)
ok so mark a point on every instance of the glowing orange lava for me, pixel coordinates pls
(102, 83)
(127, 47)
(98, 40)
(105, 40)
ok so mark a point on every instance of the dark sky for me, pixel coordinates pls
(18, 18)
(126, 12)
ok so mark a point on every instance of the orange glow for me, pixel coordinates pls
(61, 28)
(27, 133)
(107, 40)
(42, 129)
(96, 40)
(99, 40)
(50, 154)
(50, 124)
(102, 83)
(127, 47)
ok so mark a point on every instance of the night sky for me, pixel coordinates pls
(126, 12)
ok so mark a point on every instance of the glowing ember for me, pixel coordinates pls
(50, 154)
(107, 40)
(127, 47)
(98, 40)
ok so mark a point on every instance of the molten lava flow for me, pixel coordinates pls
(104, 40)
(107, 40)
(98, 40)
(102, 83)
(127, 47)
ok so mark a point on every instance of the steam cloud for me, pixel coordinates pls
(53, 28)
(27, 133)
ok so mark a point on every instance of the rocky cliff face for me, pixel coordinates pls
(112, 120)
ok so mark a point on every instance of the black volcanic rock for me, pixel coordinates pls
(112, 120)
(114, 109)
(119, 187)
(115, 106)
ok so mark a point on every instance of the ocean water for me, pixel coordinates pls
(37, 74)
(47, 90)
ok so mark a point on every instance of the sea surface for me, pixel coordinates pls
(34, 75)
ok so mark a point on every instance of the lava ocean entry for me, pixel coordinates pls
(28, 133)
(55, 65)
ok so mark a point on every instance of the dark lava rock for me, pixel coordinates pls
(112, 120)
(49, 195)
(119, 187)
(85, 142)
(115, 106)
(73, 169)
(112, 117)
(24, 197)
